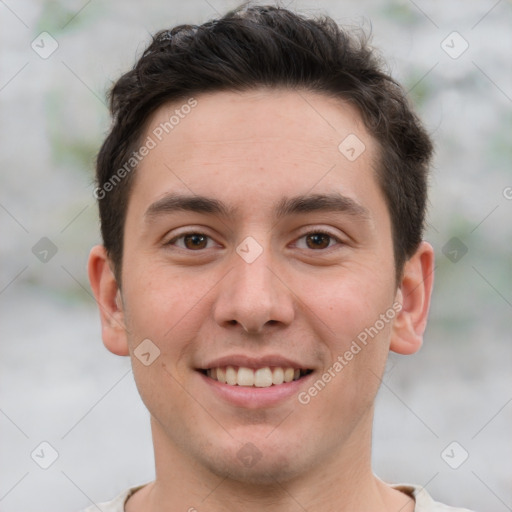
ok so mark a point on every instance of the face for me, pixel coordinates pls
(255, 251)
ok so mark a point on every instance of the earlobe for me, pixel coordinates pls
(108, 297)
(414, 294)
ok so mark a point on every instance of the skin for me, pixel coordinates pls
(300, 298)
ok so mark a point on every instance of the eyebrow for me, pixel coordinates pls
(287, 206)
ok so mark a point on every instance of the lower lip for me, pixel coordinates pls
(252, 397)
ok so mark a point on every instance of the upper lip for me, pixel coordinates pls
(254, 362)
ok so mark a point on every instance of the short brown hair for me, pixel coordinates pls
(268, 46)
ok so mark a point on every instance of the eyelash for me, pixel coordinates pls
(313, 232)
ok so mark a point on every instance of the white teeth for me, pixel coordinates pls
(248, 377)
(288, 374)
(221, 375)
(277, 376)
(263, 378)
(231, 375)
(245, 377)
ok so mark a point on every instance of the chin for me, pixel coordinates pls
(250, 465)
(262, 473)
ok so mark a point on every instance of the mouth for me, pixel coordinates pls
(265, 377)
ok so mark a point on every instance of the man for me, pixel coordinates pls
(262, 198)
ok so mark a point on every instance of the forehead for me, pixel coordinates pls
(308, 118)
(268, 141)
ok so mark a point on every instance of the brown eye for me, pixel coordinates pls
(318, 240)
(192, 241)
(195, 241)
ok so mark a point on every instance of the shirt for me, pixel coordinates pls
(424, 503)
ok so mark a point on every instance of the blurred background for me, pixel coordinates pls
(443, 416)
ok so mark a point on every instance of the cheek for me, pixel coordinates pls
(353, 302)
(356, 339)
(345, 389)
(169, 308)
(161, 307)
(160, 301)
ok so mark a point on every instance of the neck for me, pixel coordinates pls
(342, 482)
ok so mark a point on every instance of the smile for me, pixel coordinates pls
(255, 377)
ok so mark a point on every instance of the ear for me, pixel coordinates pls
(414, 294)
(108, 296)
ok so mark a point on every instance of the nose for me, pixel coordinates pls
(254, 296)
